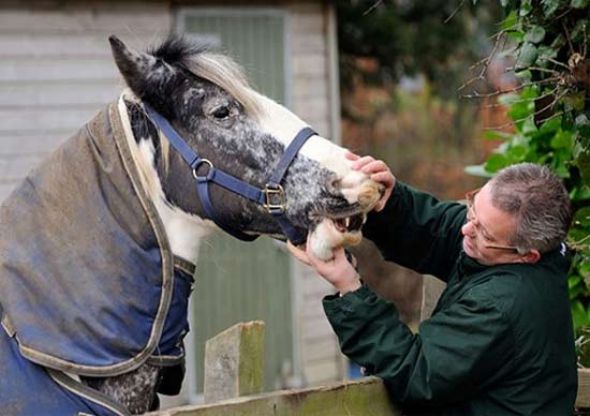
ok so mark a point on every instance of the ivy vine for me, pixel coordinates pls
(550, 110)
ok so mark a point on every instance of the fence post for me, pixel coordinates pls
(234, 362)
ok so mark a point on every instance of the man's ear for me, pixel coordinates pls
(532, 256)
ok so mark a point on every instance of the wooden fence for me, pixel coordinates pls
(233, 383)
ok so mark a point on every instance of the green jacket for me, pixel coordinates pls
(500, 341)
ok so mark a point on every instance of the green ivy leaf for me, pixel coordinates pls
(582, 161)
(558, 42)
(579, 314)
(563, 139)
(529, 93)
(529, 127)
(525, 8)
(580, 4)
(521, 110)
(510, 22)
(584, 270)
(582, 218)
(551, 126)
(576, 292)
(517, 153)
(581, 193)
(580, 229)
(516, 35)
(573, 281)
(549, 7)
(527, 55)
(535, 34)
(508, 99)
(575, 101)
(545, 53)
(479, 171)
(524, 76)
(496, 162)
(497, 135)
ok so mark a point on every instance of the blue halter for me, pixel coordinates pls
(272, 197)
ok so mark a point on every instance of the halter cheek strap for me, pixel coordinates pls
(272, 197)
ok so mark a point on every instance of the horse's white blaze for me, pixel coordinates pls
(283, 125)
(355, 186)
(184, 230)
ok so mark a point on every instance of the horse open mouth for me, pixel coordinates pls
(349, 224)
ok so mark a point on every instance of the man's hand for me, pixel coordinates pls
(338, 271)
(377, 171)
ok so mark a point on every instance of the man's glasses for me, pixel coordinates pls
(471, 217)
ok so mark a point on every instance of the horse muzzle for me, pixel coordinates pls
(342, 227)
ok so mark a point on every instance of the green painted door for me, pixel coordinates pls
(237, 281)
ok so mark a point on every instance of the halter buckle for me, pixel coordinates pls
(274, 199)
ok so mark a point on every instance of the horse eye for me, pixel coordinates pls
(221, 113)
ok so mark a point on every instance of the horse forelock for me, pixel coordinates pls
(229, 76)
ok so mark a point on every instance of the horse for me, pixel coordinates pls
(99, 243)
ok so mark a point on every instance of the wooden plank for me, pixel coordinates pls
(5, 189)
(317, 108)
(316, 329)
(147, 19)
(89, 45)
(311, 25)
(320, 349)
(41, 142)
(234, 362)
(309, 44)
(52, 45)
(59, 94)
(310, 64)
(39, 120)
(583, 398)
(366, 396)
(357, 398)
(323, 371)
(309, 88)
(13, 169)
(73, 68)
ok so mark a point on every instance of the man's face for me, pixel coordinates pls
(487, 232)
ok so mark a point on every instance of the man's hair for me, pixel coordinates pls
(539, 202)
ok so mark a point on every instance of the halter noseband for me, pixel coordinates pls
(272, 197)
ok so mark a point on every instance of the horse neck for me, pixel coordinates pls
(185, 231)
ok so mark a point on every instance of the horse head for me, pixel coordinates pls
(206, 99)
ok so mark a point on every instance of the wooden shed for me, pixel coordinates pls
(57, 72)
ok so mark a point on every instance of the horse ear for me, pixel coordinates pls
(135, 68)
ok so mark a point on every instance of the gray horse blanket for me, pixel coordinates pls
(88, 283)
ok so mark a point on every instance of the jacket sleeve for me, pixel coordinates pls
(455, 354)
(418, 231)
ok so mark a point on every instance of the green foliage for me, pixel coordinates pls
(430, 37)
(551, 116)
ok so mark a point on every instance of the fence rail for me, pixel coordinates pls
(234, 362)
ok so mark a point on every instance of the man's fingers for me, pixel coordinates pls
(386, 178)
(360, 163)
(299, 253)
(351, 156)
(375, 166)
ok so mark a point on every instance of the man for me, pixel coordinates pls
(500, 341)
